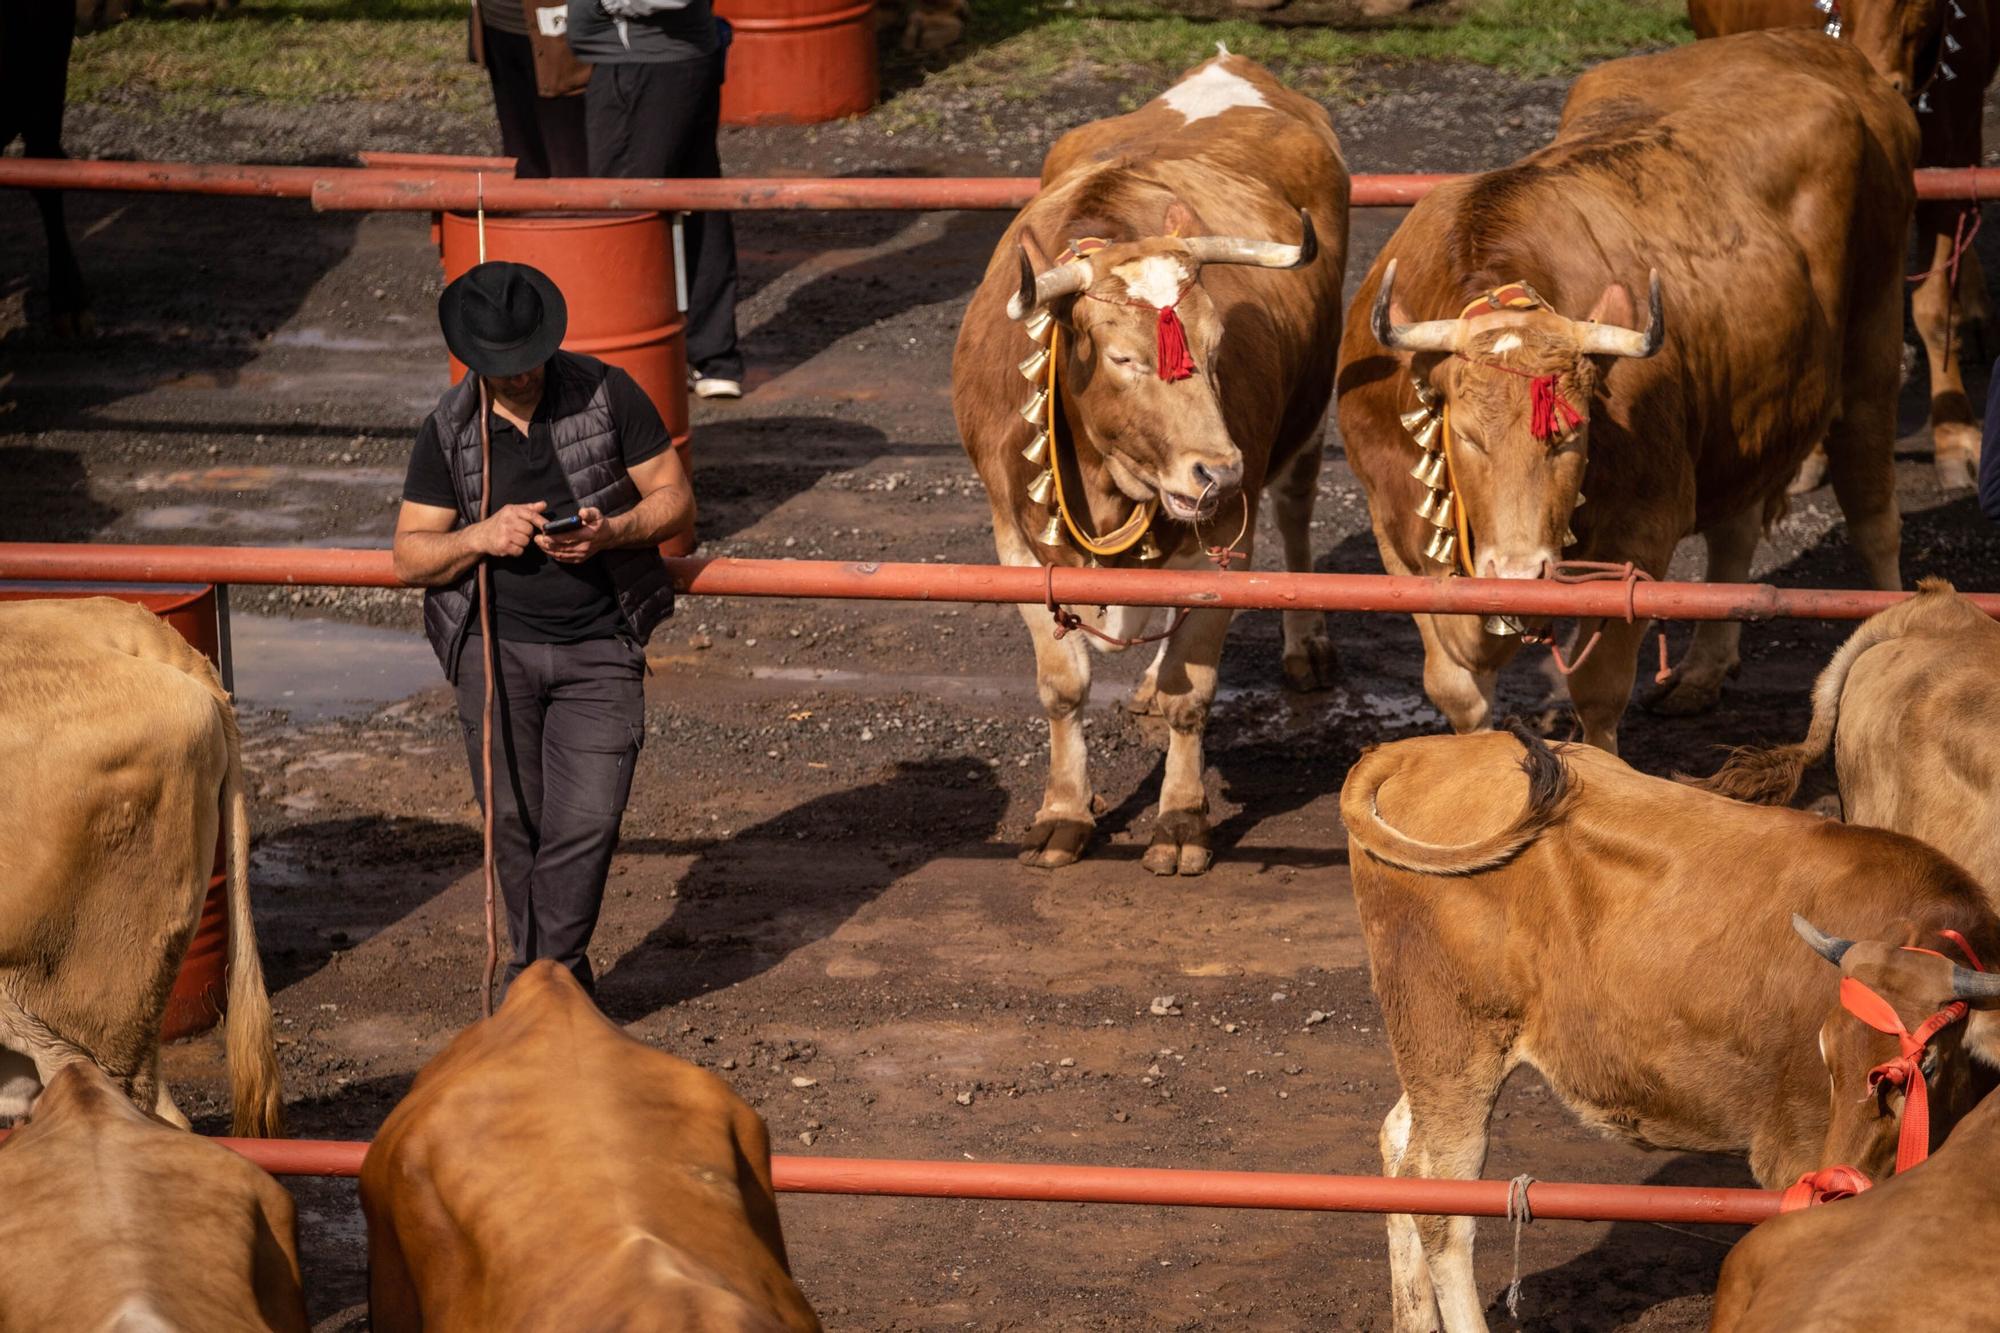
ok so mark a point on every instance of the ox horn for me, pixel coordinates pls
(1433, 335)
(1611, 340)
(1263, 254)
(1826, 946)
(1038, 289)
(1967, 984)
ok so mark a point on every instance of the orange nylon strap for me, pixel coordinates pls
(1127, 534)
(1461, 526)
(1823, 1186)
(1913, 1140)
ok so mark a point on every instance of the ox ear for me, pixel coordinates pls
(1615, 307)
(1181, 221)
(1830, 947)
(1609, 331)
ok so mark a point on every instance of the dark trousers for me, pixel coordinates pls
(35, 40)
(568, 722)
(659, 119)
(544, 135)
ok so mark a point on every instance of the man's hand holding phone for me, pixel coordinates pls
(592, 532)
(507, 531)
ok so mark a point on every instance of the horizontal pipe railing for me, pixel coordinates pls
(889, 581)
(1183, 1188)
(424, 182)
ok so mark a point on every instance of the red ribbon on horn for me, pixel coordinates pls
(1172, 357)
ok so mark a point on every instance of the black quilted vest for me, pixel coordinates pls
(586, 444)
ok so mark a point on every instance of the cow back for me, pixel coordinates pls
(114, 1215)
(548, 1171)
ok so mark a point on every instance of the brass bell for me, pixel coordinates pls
(1427, 434)
(1415, 418)
(1440, 515)
(1430, 470)
(1425, 393)
(1441, 547)
(1039, 488)
(1578, 503)
(1034, 364)
(1038, 325)
(1148, 548)
(1052, 534)
(1428, 506)
(1037, 451)
(1505, 627)
(1569, 535)
(1036, 413)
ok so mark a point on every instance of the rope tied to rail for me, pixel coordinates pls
(1520, 1214)
(1067, 620)
(1825, 1185)
(1227, 554)
(1598, 571)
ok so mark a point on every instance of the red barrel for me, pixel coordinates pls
(197, 998)
(798, 62)
(616, 272)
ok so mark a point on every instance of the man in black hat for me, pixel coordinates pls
(571, 612)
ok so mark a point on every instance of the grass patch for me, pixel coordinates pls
(300, 52)
(283, 51)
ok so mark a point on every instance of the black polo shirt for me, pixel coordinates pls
(536, 599)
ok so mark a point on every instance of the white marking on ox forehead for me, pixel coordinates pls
(1506, 342)
(1157, 279)
(1210, 92)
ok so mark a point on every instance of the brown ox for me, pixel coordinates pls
(1632, 940)
(1910, 705)
(1150, 462)
(1901, 1255)
(124, 754)
(1911, 43)
(116, 1221)
(1762, 180)
(549, 1172)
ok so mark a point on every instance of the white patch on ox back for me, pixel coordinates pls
(1506, 342)
(135, 1314)
(1210, 93)
(1156, 279)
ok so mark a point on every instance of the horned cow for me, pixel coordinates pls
(1178, 359)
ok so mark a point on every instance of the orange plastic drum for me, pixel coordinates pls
(196, 1000)
(616, 272)
(798, 62)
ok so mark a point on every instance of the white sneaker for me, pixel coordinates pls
(710, 386)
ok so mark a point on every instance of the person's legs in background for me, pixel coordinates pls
(659, 119)
(544, 135)
(518, 724)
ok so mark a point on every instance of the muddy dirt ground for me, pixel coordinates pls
(817, 880)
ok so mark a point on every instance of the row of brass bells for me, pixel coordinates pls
(1442, 546)
(1036, 414)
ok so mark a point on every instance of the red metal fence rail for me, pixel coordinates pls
(1185, 1188)
(893, 582)
(414, 183)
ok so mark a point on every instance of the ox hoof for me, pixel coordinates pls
(1685, 696)
(1313, 666)
(1957, 471)
(1810, 476)
(1180, 845)
(1055, 842)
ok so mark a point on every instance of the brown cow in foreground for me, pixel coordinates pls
(549, 1172)
(1632, 939)
(1151, 454)
(1908, 1254)
(1912, 43)
(1763, 182)
(123, 757)
(1910, 706)
(114, 1220)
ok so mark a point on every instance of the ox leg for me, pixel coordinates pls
(1954, 427)
(1696, 683)
(1447, 1141)
(1413, 1301)
(163, 1100)
(1186, 682)
(1600, 689)
(1861, 454)
(1463, 695)
(1064, 824)
(1309, 655)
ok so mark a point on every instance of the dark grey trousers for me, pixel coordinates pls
(568, 723)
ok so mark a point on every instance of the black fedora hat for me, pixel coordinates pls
(502, 319)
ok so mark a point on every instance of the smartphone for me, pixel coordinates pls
(556, 527)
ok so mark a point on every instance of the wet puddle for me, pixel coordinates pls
(321, 669)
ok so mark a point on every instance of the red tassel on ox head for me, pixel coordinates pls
(1171, 355)
(1552, 413)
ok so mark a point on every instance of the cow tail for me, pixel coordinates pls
(1550, 787)
(253, 1058)
(1770, 775)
